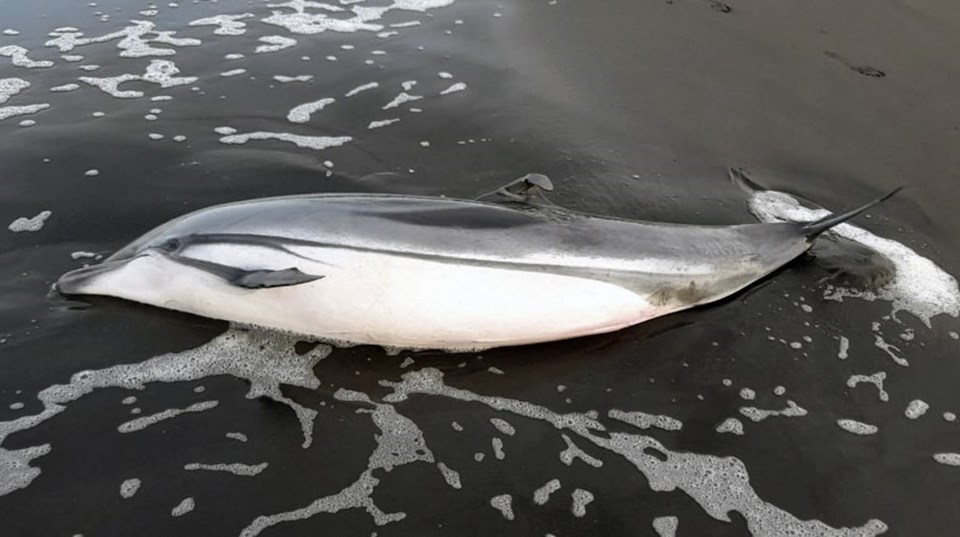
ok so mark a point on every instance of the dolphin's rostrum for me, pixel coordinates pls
(424, 272)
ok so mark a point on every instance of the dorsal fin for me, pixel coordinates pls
(528, 189)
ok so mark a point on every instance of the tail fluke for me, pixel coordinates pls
(813, 229)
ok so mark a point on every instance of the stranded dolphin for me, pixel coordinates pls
(426, 272)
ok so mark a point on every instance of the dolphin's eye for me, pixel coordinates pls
(170, 245)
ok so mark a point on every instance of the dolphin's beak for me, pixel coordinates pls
(76, 281)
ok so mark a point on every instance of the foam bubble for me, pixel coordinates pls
(719, 485)
(950, 459)
(236, 468)
(364, 87)
(747, 394)
(666, 526)
(580, 500)
(233, 72)
(302, 113)
(308, 142)
(239, 437)
(382, 123)
(299, 78)
(757, 415)
(142, 423)
(504, 504)
(18, 56)
(573, 452)
(842, 353)
(93, 172)
(459, 86)
(542, 495)
(949, 416)
(65, 87)
(503, 426)
(452, 477)
(731, 425)
(403, 98)
(134, 41)
(916, 408)
(226, 24)
(184, 507)
(129, 487)
(876, 379)
(13, 111)
(10, 87)
(29, 224)
(274, 43)
(160, 72)
(891, 350)
(919, 286)
(400, 443)
(857, 427)
(498, 448)
(643, 420)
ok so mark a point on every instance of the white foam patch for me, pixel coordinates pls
(747, 394)
(757, 414)
(160, 72)
(265, 359)
(949, 416)
(133, 41)
(452, 477)
(503, 426)
(274, 43)
(950, 459)
(919, 286)
(302, 113)
(573, 452)
(29, 224)
(233, 72)
(504, 504)
(666, 526)
(236, 468)
(23, 110)
(129, 487)
(382, 123)
(140, 424)
(642, 420)
(362, 88)
(916, 408)
(10, 87)
(400, 442)
(891, 351)
(718, 485)
(226, 24)
(299, 78)
(234, 56)
(10, 31)
(184, 507)
(876, 379)
(225, 130)
(239, 437)
(580, 500)
(857, 427)
(65, 87)
(842, 353)
(497, 445)
(542, 495)
(316, 143)
(403, 98)
(18, 56)
(732, 426)
(459, 86)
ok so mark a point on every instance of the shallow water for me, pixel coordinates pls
(634, 109)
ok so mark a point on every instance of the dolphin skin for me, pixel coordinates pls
(425, 272)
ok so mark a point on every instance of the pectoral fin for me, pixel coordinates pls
(247, 278)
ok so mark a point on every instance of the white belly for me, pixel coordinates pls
(392, 301)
